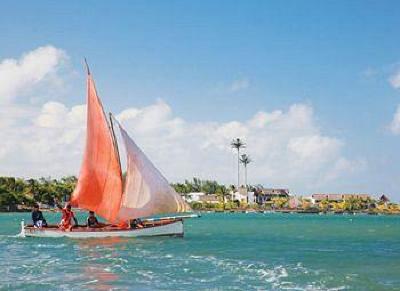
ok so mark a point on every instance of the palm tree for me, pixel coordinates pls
(245, 160)
(237, 144)
(222, 190)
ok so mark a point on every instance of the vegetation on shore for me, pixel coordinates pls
(305, 206)
(204, 186)
(16, 192)
(19, 194)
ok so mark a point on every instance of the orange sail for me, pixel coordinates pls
(146, 191)
(99, 185)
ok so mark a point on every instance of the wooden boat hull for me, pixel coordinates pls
(169, 229)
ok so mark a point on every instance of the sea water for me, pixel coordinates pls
(221, 251)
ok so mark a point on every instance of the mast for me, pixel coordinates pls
(87, 66)
(111, 116)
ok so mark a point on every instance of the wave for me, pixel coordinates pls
(154, 267)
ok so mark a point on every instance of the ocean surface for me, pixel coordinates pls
(221, 251)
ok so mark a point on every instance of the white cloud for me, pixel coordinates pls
(239, 85)
(48, 141)
(57, 115)
(19, 76)
(343, 167)
(37, 139)
(306, 147)
(395, 124)
(395, 80)
(287, 146)
(260, 119)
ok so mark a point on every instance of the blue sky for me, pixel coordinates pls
(219, 61)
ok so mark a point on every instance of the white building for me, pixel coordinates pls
(194, 196)
(239, 197)
(251, 198)
(210, 198)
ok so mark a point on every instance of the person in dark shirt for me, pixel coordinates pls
(136, 223)
(92, 220)
(37, 217)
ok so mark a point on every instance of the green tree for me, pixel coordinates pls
(8, 200)
(245, 160)
(238, 144)
(222, 191)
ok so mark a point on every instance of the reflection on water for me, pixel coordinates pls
(114, 242)
(99, 278)
(98, 275)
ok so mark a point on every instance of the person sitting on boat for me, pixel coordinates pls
(136, 223)
(37, 217)
(92, 220)
(67, 216)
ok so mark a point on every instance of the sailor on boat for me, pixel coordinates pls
(136, 223)
(92, 221)
(67, 216)
(37, 217)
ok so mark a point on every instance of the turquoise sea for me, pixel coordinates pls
(219, 252)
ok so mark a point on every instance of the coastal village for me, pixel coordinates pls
(250, 198)
(281, 200)
(18, 194)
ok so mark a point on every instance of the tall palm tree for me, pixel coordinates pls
(237, 144)
(245, 160)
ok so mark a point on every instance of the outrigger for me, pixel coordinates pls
(142, 192)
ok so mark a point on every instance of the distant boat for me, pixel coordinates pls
(101, 188)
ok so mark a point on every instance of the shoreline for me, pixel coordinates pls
(298, 211)
(252, 210)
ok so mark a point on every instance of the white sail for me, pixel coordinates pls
(146, 191)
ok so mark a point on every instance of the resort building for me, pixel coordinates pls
(210, 198)
(294, 202)
(316, 198)
(251, 199)
(243, 195)
(238, 196)
(384, 199)
(194, 196)
(267, 194)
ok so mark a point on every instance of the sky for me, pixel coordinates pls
(313, 87)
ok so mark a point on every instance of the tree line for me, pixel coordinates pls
(198, 185)
(27, 192)
(24, 193)
(16, 192)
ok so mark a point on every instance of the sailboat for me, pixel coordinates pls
(142, 192)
